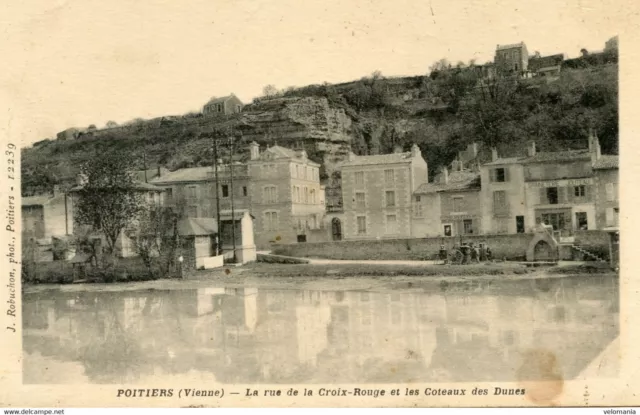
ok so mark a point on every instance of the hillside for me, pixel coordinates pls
(442, 112)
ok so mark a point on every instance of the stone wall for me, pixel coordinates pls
(511, 246)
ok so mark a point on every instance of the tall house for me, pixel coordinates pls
(503, 195)
(512, 58)
(450, 206)
(377, 193)
(287, 198)
(606, 176)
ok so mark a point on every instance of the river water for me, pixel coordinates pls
(471, 331)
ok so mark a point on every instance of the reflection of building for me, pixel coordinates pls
(244, 335)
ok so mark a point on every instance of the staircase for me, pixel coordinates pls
(587, 253)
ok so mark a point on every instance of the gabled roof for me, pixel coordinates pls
(220, 100)
(458, 180)
(606, 162)
(567, 155)
(391, 158)
(136, 185)
(36, 200)
(191, 174)
(197, 227)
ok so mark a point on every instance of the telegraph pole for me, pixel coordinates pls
(232, 145)
(214, 143)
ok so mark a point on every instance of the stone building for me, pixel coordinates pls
(450, 206)
(287, 199)
(223, 106)
(377, 193)
(511, 59)
(47, 216)
(606, 177)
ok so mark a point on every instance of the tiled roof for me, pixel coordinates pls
(137, 185)
(568, 155)
(35, 200)
(606, 162)
(219, 100)
(191, 174)
(505, 160)
(458, 180)
(151, 173)
(280, 152)
(379, 159)
(197, 226)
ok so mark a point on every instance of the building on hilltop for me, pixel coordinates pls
(377, 194)
(548, 66)
(223, 106)
(511, 59)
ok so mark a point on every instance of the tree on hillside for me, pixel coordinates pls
(111, 124)
(270, 91)
(108, 199)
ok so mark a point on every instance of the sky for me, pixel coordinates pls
(72, 63)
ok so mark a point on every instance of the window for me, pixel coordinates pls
(499, 175)
(270, 194)
(225, 190)
(271, 221)
(610, 217)
(610, 192)
(388, 176)
(467, 226)
(192, 211)
(519, 224)
(581, 221)
(418, 199)
(360, 201)
(458, 204)
(244, 191)
(306, 195)
(293, 194)
(390, 197)
(579, 191)
(192, 192)
(417, 211)
(312, 194)
(359, 177)
(552, 195)
(499, 200)
(168, 193)
(392, 224)
(503, 226)
(362, 225)
(306, 173)
(298, 194)
(297, 171)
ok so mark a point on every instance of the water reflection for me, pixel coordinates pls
(459, 332)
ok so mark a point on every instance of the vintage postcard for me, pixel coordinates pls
(318, 204)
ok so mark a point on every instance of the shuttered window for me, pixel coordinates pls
(610, 188)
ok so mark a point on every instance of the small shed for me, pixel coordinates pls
(199, 243)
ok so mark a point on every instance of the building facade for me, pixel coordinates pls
(512, 58)
(606, 177)
(377, 193)
(223, 106)
(47, 216)
(448, 207)
(287, 201)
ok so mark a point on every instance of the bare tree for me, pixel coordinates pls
(270, 91)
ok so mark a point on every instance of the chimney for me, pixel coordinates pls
(415, 151)
(444, 179)
(81, 179)
(531, 150)
(56, 190)
(494, 154)
(159, 172)
(301, 153)
(352, 156)
(397, 149)
(473, 147)
(254, 150)
(594, 146)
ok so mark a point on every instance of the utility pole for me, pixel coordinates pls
(214, 143)
(232, 148)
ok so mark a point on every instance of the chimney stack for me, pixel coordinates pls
(415, 150)
(56, 190)
(594, 146)
(254, 150)
(531, 150)
(494, 154)
(445, 176)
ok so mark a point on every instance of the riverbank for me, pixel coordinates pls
(339, 277)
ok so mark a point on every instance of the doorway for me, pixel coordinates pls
(520, 224)
(581, 221)
(336, 229)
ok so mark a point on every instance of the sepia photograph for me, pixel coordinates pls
(389, 202)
